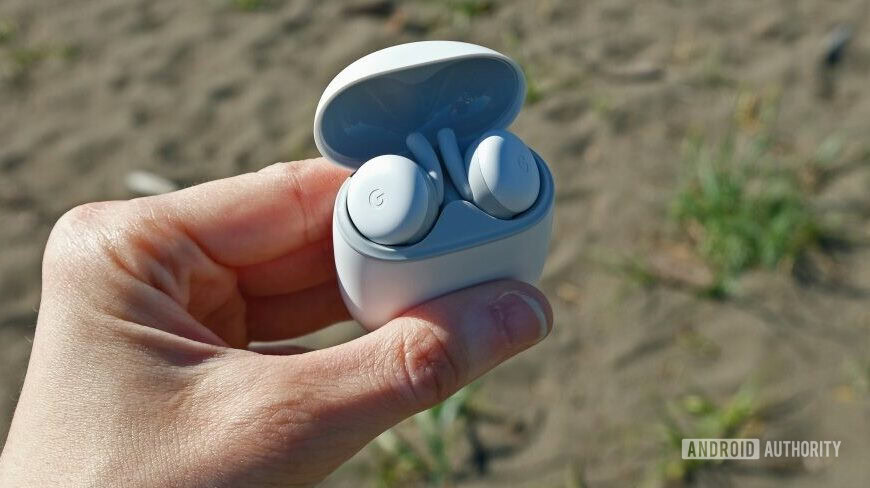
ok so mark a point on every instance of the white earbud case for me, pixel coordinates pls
(368, 110)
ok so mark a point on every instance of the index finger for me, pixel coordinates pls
(255, 217)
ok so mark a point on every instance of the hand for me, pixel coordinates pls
(140, 376)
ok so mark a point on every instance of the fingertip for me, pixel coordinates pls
(488, 323)
(519, 311)
(522, 316)
(537, 301)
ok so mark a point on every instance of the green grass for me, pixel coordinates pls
(470, 8)
(19, 59)
(534, 92)
(696, 416)
(829, 151)
(636, 271)
(741, 208)
(249, 5)
(403, 463)
(713, 73)
(459, 15)
(858, 374)
(7, 31)
(28, 57)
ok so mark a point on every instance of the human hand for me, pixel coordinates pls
(141, 372)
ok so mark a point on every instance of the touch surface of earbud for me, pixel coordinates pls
(392, 201)
(502, 174)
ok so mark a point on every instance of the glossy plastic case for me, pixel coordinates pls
(368, 110)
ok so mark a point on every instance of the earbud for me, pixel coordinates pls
(499, 173)
(393, 200)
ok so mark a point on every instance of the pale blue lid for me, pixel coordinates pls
(372, 105)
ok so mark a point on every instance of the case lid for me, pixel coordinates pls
(369, 108)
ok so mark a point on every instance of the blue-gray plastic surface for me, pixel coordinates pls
(373, 117)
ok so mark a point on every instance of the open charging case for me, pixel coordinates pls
(368, 110)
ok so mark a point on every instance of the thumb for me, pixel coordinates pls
(423, 357)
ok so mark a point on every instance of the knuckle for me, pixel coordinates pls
(84, 218)
(82, 215)
(76, 225)
(428, 370)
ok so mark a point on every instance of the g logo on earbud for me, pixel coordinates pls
(376, 197)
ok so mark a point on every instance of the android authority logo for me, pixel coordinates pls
(751, 449)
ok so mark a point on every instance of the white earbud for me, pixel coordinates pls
(393, 200)
(499, 173)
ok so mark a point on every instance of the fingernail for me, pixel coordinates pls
(522, 316)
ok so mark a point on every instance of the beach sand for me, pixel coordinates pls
(193, 91)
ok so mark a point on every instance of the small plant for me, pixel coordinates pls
(19, 60)
(829, 151)
(7, 31)
(459, 14)
(696, 416)
(713, 73)
(69, 52)
(22, 61)
(28, 57)
(249, 5)
(471, 8)
(402, 462)
(858, 374)
(534, 92)
(636, 271)
(740, 210)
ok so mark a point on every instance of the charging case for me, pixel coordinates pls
(368, 110)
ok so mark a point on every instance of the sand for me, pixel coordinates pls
(193, 91)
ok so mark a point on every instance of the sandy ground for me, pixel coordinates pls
(194, 91)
